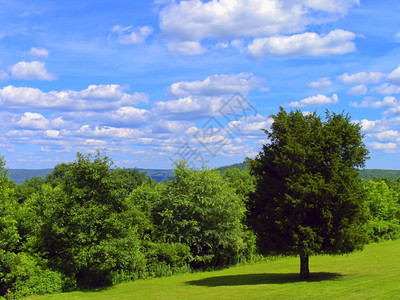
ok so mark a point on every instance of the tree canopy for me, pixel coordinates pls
(309, 198)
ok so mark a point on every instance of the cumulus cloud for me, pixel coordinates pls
(189, 108)
(386, 147)
(130, 35)
(372, 126)
(250, 126)
(370, 102)
(362, 78)
(216, 85)
(386, 136)
(358, 90)
(33, 121)
(309, 44)
(193, 21)
(394, 77)
(315, 101)
(34, 70)
(229, 19)
(38, 53)
(321, 83)
(394, 111)
(165, 126)
(108, 132)
(386, 89)
(95, 97)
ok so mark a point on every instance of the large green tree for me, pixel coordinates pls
(83, 225)
(309, 198)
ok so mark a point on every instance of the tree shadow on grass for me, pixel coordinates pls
(96, 289)
(263, 278)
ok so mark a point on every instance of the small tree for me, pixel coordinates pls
(201, 210)
(309, 198)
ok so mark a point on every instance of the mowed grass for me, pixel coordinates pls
(371, 274)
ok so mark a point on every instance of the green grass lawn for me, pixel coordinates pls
(371, 274)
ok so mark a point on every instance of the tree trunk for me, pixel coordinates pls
(304, 269)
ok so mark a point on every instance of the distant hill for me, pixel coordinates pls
(366, 174)
(20, 175)
(371, 173)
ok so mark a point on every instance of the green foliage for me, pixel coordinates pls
(244, 166)
(309, 199)
(201, 210)
(83, 227)
(384, 211)
(29, 187)
(379, 173)
(30, 276)
(166, 259)
(241, 181)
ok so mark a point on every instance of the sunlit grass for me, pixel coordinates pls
(371, 274)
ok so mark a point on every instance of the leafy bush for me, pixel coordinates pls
(32, 277)
(383, 211)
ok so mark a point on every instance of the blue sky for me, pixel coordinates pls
(153, 82)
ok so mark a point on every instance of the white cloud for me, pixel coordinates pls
(128, 116)
(321, 83)
(229, 19)
(95, 97)
(52, 133)
(108, 132)
(186, 47)
(394, 111)
(386, 89)
(250, 126)
(362, 78)
(394, 77)
(165, 126)
(130, 35)
(315, 101)
(33, 121)
(386, 136)
(309, 44)
(34, 70)
(386, 147)
(38, 52)
(358, 90)
(372, 126)
(193, 21)
(189, 108)
(369, 102)
(216, 85)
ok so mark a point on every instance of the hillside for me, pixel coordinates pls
(366, 174)
(20, 175)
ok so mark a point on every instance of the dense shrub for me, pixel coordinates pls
(383, 211)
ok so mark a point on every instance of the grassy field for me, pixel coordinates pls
(371, 274)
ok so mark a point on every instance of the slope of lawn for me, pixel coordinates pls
(371, 274)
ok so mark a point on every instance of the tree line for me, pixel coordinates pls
(90, 224)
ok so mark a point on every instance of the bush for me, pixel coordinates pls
(30, 276)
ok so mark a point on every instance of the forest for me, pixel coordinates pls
(91, 224)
